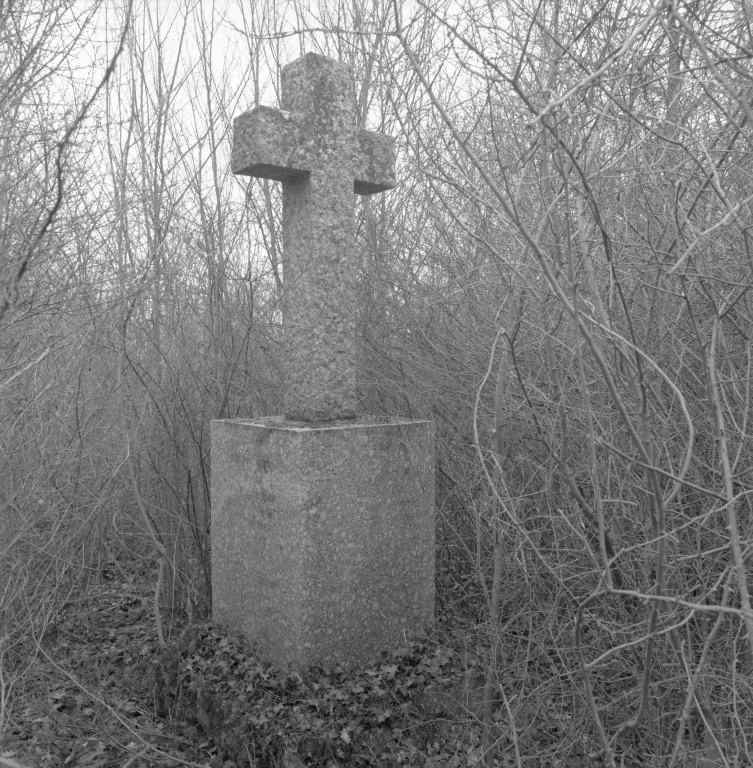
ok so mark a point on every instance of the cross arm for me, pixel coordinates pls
(265, 142)
(374, 163)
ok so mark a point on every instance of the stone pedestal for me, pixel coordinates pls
(322, 535)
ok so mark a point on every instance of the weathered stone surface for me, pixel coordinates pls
(312, 145)
(323, 536)
(374, 163)
(266, 145)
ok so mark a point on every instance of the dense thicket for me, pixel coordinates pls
(560, 280)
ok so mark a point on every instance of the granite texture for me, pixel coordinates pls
(312, 145)
(322, 535)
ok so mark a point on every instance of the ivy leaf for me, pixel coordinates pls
(389, 671)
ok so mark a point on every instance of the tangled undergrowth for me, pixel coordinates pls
(397, 711)
(100, 693)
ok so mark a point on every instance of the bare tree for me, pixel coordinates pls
(42, 436)
(625, 179)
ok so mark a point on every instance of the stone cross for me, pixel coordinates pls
(312, 145)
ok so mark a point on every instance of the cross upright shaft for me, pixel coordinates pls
(313, 147)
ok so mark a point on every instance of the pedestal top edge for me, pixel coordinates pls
(279, 422)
